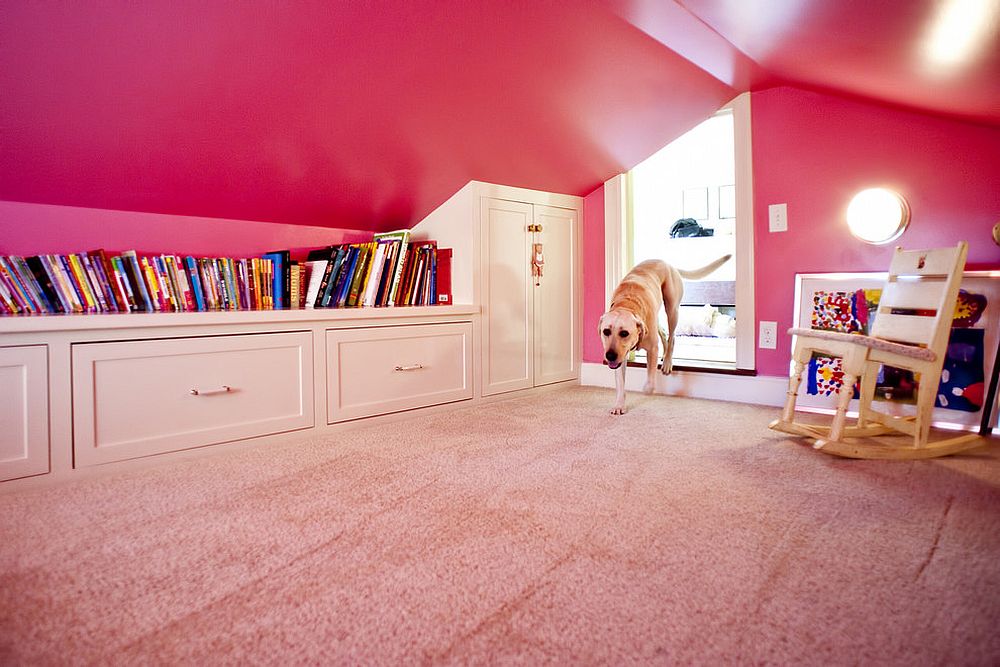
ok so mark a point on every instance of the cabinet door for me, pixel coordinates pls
(556, 297)
(508, 318)
(24, 411)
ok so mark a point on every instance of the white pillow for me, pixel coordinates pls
(696, 320)
(724, 326)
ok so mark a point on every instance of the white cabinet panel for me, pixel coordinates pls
(24, 414)
(508, 318)
(556, 344)
(139, 398)
(530, 327)
(380, 370)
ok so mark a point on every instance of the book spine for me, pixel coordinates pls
(118, 294)
(331, 264)
(167, 300)
(121, 276)
(156, 294)
(134, 272)
(194, 278)
(7, 302)
(66, 270)
(348, 277)
(359, 274)
(39, 266)
(81, 282)
(106, 283)
(94, 281)
(17, 292)
(233, 284)
(32, 285)
(208, 288)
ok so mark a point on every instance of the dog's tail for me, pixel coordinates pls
(698, 274)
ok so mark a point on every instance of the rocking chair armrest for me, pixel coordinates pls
(902, 349)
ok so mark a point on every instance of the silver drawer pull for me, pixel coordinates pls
(224, 389)
(412, 367)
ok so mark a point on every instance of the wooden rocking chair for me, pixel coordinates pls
(910, 332)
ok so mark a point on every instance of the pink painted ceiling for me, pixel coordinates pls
(369, 114)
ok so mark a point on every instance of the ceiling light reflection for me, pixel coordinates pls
(960, 30)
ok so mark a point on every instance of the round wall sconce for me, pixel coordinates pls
(877, 215)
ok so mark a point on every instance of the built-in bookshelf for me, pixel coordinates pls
(389, 270)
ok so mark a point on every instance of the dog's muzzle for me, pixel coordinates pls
(612, 358)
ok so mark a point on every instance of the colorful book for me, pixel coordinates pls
(136, 277)
(40, 270)
(443, 279)
(316, 262)
(330, 279)
(346, 277)
(401, 238)
(61, 264)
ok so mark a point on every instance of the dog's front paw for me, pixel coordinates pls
(667, 367)
(649, 388)
(618, 410)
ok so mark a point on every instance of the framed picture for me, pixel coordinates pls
(849, 302)
(696, 203)
(727, 202)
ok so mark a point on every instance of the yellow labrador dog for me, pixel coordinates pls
(632, 319)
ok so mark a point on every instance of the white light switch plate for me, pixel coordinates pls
(767, 339)
(777, 217)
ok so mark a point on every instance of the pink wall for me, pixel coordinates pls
(30, 229)
(814, 151)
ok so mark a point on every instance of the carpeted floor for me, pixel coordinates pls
(534, 530)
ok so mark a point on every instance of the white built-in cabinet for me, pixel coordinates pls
(81, 392)
(531, 331)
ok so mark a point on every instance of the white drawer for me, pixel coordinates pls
(138, 398)
(387, 369)
(24, 411)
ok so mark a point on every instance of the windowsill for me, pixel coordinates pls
(717, 368)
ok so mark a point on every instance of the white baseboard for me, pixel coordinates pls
(760, 389)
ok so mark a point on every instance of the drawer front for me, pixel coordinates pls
(24, 411)
(139, 398)
(379, 370)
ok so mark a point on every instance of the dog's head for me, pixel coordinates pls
(621, 332)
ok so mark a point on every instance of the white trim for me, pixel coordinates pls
(746, 331)
(509, 192)
(759, 390)
(615, 200)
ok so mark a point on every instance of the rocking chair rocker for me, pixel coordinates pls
(910, 332)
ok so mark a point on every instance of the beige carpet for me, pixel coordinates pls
(534, 530)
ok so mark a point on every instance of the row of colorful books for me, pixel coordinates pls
(97, 282)
(390, 270)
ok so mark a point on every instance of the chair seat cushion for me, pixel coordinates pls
(912, 351)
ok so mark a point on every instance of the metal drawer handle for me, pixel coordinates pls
(224, 389)
(413, 367)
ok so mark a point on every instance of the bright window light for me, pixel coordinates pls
(877, 215)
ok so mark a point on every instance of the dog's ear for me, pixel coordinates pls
(640, 328)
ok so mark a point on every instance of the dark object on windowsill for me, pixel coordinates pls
(686, 227)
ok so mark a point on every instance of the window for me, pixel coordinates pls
(701, 183)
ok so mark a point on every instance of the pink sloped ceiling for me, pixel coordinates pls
(355, 115)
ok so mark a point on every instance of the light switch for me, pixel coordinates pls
(777, 217)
